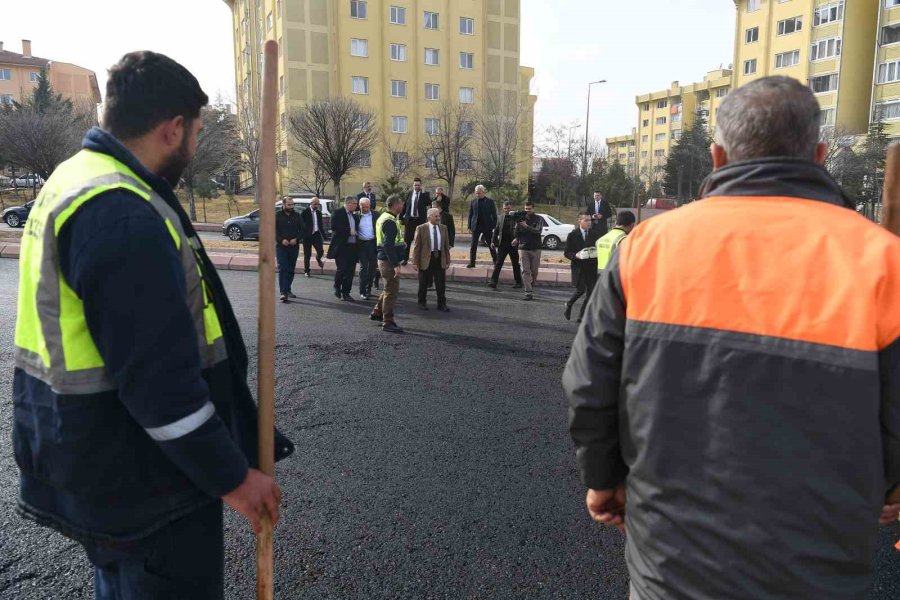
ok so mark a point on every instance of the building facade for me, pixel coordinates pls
(400, 58)
(622, 149)
(19, 76)
(886, 71)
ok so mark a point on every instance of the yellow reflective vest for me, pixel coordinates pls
(607, 244)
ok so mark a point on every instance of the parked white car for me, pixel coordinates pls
(554, 233)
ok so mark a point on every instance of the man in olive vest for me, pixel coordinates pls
(391, 253)
(608, 243)
(133, 419)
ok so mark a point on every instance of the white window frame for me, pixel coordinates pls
(834, 44)
(432, 87)
(435, 54)
(660, 120)
(888, 72)
(432, 126)
(430, 160)
(432, 20)
(5, 74)
(398, 157)
(751, 32)
(364, 85)
(895, 27)
(6, 99)
(645, 139)
(826, 9)
(721, 92)
(359, 47)
(782, 57)
(676, 134)
(33, 76)
(399, 124)
(467, 60)
(465, 93)
(397, 15)
(662, 103)
(831, 77)
(659, 153)
(660, 137)
(466, 23)
(891, 3)
(360, 7)
(363, 160)
(753, 5)
(467, 128)
(398, 88)
(782, 26)
(827, 117)
(893, 104)
(398, 52)
(750, 66)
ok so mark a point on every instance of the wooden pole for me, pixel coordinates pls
(890, 218)
(266, 345)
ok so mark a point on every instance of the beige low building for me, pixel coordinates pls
(19, 76)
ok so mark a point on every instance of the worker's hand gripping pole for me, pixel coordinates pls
(266, 345)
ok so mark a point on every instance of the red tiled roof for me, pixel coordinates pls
(12, 58)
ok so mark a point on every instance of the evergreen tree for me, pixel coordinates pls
(871, 163)
(42, 99)
(689, 162)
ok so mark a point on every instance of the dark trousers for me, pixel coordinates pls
(513, 253)
(368, 265)
(346, 268)
(587, 278)
(185, 560)
(409, 233)
(434, 273)
(286, 257)
(481, 232)
(313, 241)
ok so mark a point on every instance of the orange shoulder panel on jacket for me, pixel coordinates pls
(784, 267)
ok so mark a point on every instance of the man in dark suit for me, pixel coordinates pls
(482, 221)
(413, 215)
(368, 249)
(431, 257)
(504, 234)
(584, 271)
(313, 233)
(442, 199)
(600, 211)
(368, 193)
(446, 221)
(344, 248)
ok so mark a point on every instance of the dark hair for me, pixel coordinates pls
(625, 218)
(769, 117)
(348, 199)
(583, 215)
(393, 200)
(144, 89)
(419, 179)
(598, 192)
(507, 203)
(529, 203)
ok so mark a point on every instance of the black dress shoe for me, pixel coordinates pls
(471, 265)
(337, 294)
(391, 328)
(291, 295)
(567, 313)
(423, 306)
(347, 298)
(492, 284)
(518, 286)
(376, 317)
(443, 309)
(321, 263)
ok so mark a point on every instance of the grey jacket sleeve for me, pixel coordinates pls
(889, 367)
(592, 380)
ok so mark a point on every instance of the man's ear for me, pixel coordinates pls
(821, 153)
(720, 158)
(172, 132)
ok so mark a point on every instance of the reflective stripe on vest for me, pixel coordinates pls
(606, 245)
(52, 339)
(379, 235)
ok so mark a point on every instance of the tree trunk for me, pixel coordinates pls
(192, 206)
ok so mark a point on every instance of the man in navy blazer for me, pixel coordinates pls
(482, 221)
(344, 248)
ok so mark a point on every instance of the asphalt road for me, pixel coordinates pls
(430, 465)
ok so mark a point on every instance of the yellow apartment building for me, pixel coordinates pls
(664, 114)
(886, 72)
(827, 44)
(19, 76)
(400, 58)
(622, 149)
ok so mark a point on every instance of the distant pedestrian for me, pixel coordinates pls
(431, 255)
(442, 199)
(446, 220)
(528, 241)
(391, 249)
(369, 194)
(502, 240)
(311, 227)
(482, 221)
(584, 270)
(606, 245)
(413, 214)
(368, 250)
(287, 238)
(344, 248)
(600, 212)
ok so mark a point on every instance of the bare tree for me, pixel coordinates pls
(447, 151)
(218, 150)
(499, 127)
(399, 154)
(338, 134)
(314, 180)
(248, 126)
(40, 140)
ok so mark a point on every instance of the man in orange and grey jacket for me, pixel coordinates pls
(740, 386)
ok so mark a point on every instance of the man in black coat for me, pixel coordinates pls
(344, 248)
(584, 271)
(482, 221)
(600, 211)
(313, 232)
(504, 234)
(367, 192)
(446, 219)
(287, 238)
(414, 213)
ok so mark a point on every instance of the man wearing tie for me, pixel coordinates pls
(431, 256)
(313, 234)
(368, 251)
(413, 214)
(368, 194)
(344, 248)
(482, 221)
(584, 271)
(599, 210)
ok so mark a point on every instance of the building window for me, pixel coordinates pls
(398, 88)
(432, 56)
(432, 126)
(676, 118)
(661, 104)
(466, 26)
(398, 15)
(890, 3)
(399, 125)
(890, 34)
(466, 163)
(466, 95)
(360, 85)
(751, 35)
(363, 159)
(466, 60)
(888, 72)
(269, 22)
(787, 59)
(398, 52)
(825, 49)
(400, 160)
(284, 158)
(361, 122)
(645, 123)
(660, 120)
(750, 66)
(5, 75)
(6, 99)
(281, 85)
(643, 154)
(660, 137)
(430, 160)
(753, 5)
(826, 118)
(659, 153)
(828, 13)
(721, 92)
(278, 4)
(431, 20)
(824, 83)
(645, 139)
(359, 9)
(789, 26)
(887, 111)
(676, 134)
(646, 106)
(432, 91)
(467, 128)
(33, 76)
(359, 47)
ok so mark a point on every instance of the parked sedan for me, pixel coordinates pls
(246, 227)
(15, 216)
(553, 232)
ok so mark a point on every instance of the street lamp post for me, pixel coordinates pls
(587, 128)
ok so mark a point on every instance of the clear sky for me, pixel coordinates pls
(637, 46)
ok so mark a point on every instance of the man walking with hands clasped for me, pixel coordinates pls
(431, 255)
(287, 237)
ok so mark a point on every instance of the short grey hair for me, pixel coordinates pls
(366, 200)
(480, 188)
(769, 117)
(433, 211)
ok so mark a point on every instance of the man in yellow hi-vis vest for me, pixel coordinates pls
(625, 222)
(133, 419)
